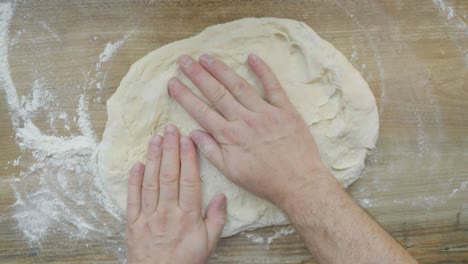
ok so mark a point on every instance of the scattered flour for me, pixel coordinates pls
(453, 19)
(377, 58)
(110, 49)
(255, 238)
(59, 193)
(462, 187)
(45, 26)
(354, 55)
(38, 97)
(365, 203)
(56, 190)
(449, 13)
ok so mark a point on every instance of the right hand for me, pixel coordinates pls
(263, 146)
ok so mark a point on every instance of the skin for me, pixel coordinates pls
(242, 130)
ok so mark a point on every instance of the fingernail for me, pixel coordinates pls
(172, 81)
(206, 60)
(221, 201)
(137, 168)
(184, 61)
(184, 142)
(194, 136)
(253, 57)
(170, 129)
(156, 140)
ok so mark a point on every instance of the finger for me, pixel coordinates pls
(208, 118)
(208, 147)
(215, 219)
(273, 90)
(150, 191)
(135, 180)
(170, 169)
(189, 192)
(238, 87)
(215, 92)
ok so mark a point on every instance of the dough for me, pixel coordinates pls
(334, 100)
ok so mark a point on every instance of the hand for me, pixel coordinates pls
(263, 146)
(164, 221)
(266, 147)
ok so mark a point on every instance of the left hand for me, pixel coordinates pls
(164, 220)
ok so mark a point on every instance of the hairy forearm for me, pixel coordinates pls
(335, 228)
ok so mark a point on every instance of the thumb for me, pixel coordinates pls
(208, 147)
(215, 219)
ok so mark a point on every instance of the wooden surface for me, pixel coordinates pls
(412, 53)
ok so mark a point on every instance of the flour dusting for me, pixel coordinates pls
(51, 32)
(449, 13)
(258, 239)
(57, 190)
(377, 57)
(453, 19)
(110, 49)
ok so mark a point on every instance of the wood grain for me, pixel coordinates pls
(412, 53)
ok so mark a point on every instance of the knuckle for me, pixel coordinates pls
(229, 134)
(275, 87)
(153, 156)
(251, 120)
(204, 110)
(150, 187)
(219, 95)
(188, 184)
(187, 154)
(168, 178)
(208, 152)
(239, 87)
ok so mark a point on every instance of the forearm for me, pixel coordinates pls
(336, 229)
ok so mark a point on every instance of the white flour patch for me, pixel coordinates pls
(284, 231)
(431, 201)
(377, 57)
(450, 15)
(452, 19)
(258, 239)
(51, 32)
(462, 187)
(95, 78)
(110, 49)
(83, 119)
(354, 55)
(39, 97)
(57, 190)
(420, 134)
(365, 203)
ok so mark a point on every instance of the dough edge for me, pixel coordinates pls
(115, 121)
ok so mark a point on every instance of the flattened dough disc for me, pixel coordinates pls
(334, 100)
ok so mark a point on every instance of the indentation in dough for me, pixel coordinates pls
(281, 36)
(349, 159)
(298, 61)
(333, 106)
(306, 66)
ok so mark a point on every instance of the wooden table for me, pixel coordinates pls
(412, 53)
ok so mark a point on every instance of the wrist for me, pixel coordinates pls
(311, 190)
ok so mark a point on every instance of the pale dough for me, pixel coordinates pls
(330, 94)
